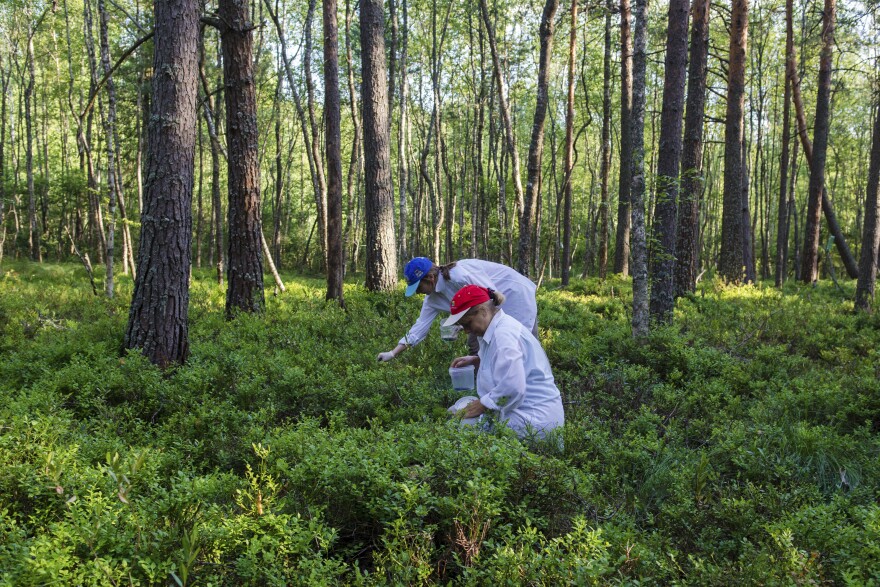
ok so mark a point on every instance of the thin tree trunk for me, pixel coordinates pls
(109, 130)
(504, 106)
(783, 214)
(527, 246)
(402, 146)
(34, 233)
(316, 133)
(333, 148)
(244, 291)
(606, 146)
(871, 232)
(662, 270)
(810, 259)
(216, 150)
(569, 146)
(687, 240)
(640, 316)
(731, 262)
(624, 206)
(748, 259)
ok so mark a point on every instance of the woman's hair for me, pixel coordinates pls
(496, 296)
(445, 269)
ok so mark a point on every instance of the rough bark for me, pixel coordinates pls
(157, 320)
(687, 238)
(641, 317)
(110, 134)
(810, 259)
(624, 207)
(536, 145)
(730, 266)
(569, 147)
(606, 146)
(244, 273)
(333, 149)
(782, 216)
(379, 213)
(871, 229)
(669, 159)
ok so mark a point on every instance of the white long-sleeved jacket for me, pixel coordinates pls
(518, 290)
(515, 378)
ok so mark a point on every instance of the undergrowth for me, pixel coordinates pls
(738, 445)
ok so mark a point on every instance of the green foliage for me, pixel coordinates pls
(741, 442)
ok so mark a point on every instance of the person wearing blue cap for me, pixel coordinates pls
(438, 283)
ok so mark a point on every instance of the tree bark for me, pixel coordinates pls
(871, 230)
(782, 217)
(504, 106)
(536, 146)
(244, 290)
(333, 148)
(569, 147)
(109, 131)
(216, 150)
(379, 212)
(624, 207)
(606, 146)
(810, 259)
(662, 268)
(316, 134)
(157, 320)
(731, 265)
(640, 317)
(687, 239)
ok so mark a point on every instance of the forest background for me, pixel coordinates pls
(737, 444)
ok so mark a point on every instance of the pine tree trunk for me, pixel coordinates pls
(871, 230)
(810, 259)
(731, 265)
(157, 320)
(663, 257)
(624, 206)
(244, 290)
(379, 211)
(606, 146)
(321, 199)
(688, 237)
(333, 148)
(783, 213)
(569, 147)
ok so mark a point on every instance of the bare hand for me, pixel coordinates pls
(385, 357)
(465, 361)
(472, 410)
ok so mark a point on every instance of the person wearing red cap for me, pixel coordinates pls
(514, 379)
(439, 283)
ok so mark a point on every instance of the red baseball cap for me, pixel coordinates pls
(465, 299)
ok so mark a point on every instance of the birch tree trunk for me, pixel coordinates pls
(641, 317)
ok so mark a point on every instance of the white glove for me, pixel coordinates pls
(385, 357)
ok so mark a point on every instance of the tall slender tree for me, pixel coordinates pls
(665, 210)
(606, 146)
(527, 244)
(569, 147)
(333, 148)
(110, 134)
(731, 262)
(640, 316)
(810, 259)
(782, 211)
(687, 238)
(157, 319)
(871, 231)
(379, 212)
(624, 207)
(244, 288)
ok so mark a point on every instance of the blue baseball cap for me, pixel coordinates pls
(414, 271)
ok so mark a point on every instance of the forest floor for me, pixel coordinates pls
(737, 446)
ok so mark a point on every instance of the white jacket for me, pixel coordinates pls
(518, 290)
